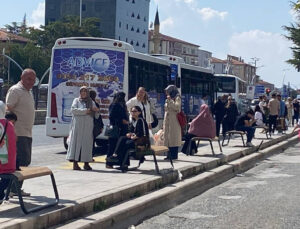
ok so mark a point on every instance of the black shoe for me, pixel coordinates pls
(166, 158)
(112, 159)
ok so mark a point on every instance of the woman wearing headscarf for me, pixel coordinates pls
(201, 126)
(81, 134)
(117, 116)
(231, 114)
(171, 126)
(7, 149)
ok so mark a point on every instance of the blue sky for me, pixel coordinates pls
(237, 27)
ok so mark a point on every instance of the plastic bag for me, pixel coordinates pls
(159, 138)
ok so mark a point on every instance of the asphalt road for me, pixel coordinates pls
(267, 196)
(46, 150)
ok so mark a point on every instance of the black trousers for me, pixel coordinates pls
(24, 147)
(188, 138)
(272, 122)
(3, 185)
(218, 126)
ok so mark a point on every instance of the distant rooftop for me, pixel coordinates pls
(6, 36)
(168, 38)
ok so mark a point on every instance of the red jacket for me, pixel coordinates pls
(10, 143)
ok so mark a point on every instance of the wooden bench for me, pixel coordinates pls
(210, 140)
(27, 173)
(233, 132)
(154, 150)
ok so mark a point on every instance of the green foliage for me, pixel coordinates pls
(37, 53)
(294, 36)
(28, 56)
(67, 27)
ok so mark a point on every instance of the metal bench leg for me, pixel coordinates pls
(155, 161)
(171, 161)
(229, 136)
(54, 188)
(220, 146)
(212, 148)
(224, 137)
(243, 140)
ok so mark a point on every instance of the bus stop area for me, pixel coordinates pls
(84, 193)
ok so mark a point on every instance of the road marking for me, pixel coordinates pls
(69, 165)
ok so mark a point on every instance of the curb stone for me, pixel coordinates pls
(103, 202)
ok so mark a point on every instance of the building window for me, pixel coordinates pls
(137, 43)
(127, 26)
(144, 46)
(126, 39)
(138, 17)
(120, 24)
(144, 31)
(133, 1)
(83, 7)
(138, 30)
(131, 42)
(145, 19)
(132, 29)
(119, 38)
(132, 15)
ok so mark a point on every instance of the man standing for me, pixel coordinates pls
(19, 100)
(274, 107)
(219, 112)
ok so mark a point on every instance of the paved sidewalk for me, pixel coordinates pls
(88, 187)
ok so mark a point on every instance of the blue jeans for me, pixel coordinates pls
(250, 131)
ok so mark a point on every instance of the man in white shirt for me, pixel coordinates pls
(19, 100)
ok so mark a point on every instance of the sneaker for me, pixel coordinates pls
(23, 193)
(249, 144)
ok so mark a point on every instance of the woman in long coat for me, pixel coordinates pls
(171, 126)
(81, 134)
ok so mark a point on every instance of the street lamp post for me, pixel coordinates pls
(284, 74)
(80, 13)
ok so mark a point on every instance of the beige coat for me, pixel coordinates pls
(172, 129)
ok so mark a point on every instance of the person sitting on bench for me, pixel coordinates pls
(138, 136)
(245, 123)
(201, 126)
(7, 149)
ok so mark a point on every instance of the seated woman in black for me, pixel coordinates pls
(138, 128)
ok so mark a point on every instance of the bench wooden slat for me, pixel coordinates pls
(159, 149)
(32, 172)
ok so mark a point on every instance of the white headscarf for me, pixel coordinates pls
(2, 110)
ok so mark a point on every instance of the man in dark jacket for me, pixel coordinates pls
(219, 112)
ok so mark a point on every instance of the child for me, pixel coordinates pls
(7, 148)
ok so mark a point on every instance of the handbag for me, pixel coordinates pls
(112, 131)
(3, 149)
(181, 119)
(155, 121)
(143, 143)
(98, 126)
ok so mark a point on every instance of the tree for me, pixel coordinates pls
(67, 27)
(37, 53)
(294, 36)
